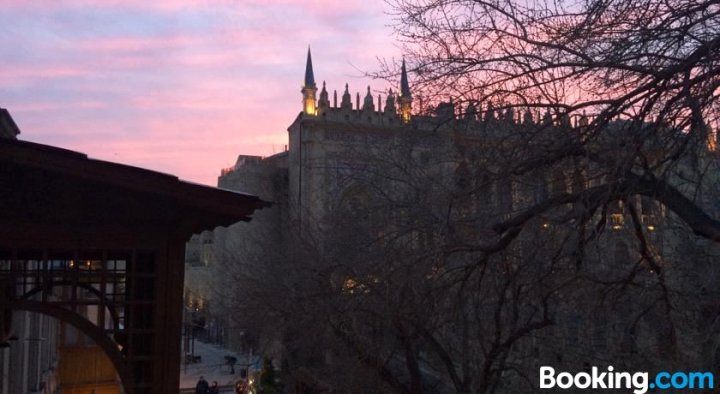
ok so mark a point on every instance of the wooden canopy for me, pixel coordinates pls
(79, 233)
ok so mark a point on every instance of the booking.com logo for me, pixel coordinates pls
(638, 381)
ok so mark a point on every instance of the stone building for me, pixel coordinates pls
(374, 170)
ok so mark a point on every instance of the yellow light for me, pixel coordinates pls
(546, 225)
(310, 108)
(712, 144)
(72, 263)
(405, 115)
(651, 227)
(616, 227)
(349, 285)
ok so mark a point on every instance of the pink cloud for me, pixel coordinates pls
(186, 101)
(156, 4)
(13, 72)
(43, 107)
(129, 44)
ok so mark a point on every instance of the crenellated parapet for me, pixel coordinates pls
(394, 108)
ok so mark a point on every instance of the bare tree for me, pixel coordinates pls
(652, 64)
(566, 214)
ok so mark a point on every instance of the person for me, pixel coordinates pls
(241, 387)
(202, 386)
(214, 389)
(231, 360)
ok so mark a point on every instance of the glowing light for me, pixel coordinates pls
(350, 285)
(712, 141)
(310, 108)
(405, 111)
(651, 227)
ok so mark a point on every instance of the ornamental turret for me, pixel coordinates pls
(323, 102)
(368, 104)
(390, 104)
(405, 98)
(346, 102)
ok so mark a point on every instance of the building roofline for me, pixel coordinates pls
(234, 204)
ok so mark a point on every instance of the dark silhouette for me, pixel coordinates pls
(231, 361)
(202, 386)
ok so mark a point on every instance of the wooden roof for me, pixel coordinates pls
(40, 170)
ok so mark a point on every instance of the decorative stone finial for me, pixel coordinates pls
(324, 102)
(346, 99)
(390, 104)
(471, 111)
(528, 117)
(490, 112)
(368, 104)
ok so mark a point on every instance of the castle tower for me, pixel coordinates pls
(309, 89)
(405, 96)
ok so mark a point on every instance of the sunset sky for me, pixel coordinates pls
(179, 86)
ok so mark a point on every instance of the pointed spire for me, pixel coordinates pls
(324, 102)
(471, 111)
(528, 117)
(583, 122)
(309, 75)
(565, 120)
(368, 105)
(509, 115)
(404, 85)
(308, 90)
(405, 96)
(490, 112)
(334, 98)
(547, 117)
(390, 104)
(346, 99)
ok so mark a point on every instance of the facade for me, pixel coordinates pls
(373, 170)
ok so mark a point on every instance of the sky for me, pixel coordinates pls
(179, 86)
